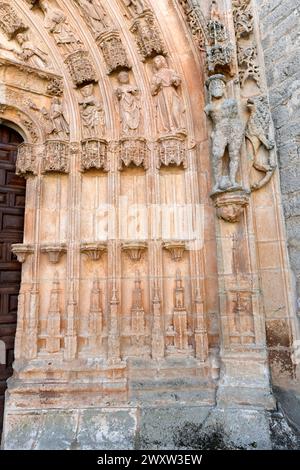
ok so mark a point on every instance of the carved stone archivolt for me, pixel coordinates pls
(91, 112)
(94, 154)
(260, 134)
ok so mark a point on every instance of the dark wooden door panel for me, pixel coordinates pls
(12, 203)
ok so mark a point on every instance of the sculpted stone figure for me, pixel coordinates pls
(169, 106)
(130, 107)
(228, 133)
(136, 6)
(94, 15)
(92, 114)
(57, 125)
(30, 53)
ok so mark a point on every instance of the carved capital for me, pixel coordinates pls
(22, 251)
(54, 252)
(176, 248)
(134, 250)
(94, 155)
(94, 251)
(231, 205)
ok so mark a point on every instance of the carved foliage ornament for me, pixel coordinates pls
(26, 160)
(172, 151)
(94, 155)
(248, 66)
(10, 22)
(260, 133)
(80, 68)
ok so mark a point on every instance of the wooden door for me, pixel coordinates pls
(12, 206)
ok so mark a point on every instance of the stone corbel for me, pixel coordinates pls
(176, 248)
(94, 251)
(134, 250)
(230, 205)
(22, 251)
(54, 252)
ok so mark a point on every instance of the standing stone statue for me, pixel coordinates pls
(130, 107)
(228, 133)
(169, 106)
(92, 114)
(94, 15)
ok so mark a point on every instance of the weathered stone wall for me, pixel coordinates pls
(280, 33)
